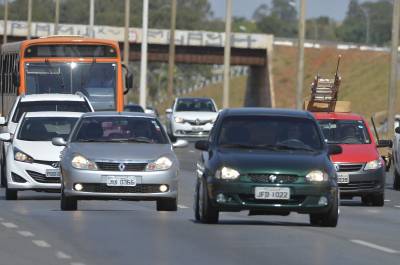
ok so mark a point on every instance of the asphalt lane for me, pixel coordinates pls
(34, 231)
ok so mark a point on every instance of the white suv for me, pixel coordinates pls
(35, 103)
(191, 117)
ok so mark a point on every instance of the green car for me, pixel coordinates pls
(269, 162)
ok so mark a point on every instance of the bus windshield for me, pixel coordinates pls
(97, 81)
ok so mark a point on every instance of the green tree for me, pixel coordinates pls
(280, 19)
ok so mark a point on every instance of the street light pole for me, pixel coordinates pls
(29, 31)
(91, 19)
(57, 17)
(143, 61)
(227, 53)
(5, 21)
(126, 32)
(393, 68)
(171, 57)
(368, 24)
(300, 69)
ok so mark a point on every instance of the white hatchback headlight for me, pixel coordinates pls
(22, 157)
(317, 176)
(374, 164)
(163, 163)
(81, 162)
(227, 173)
(179, 119)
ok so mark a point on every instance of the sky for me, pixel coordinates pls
(335, 9)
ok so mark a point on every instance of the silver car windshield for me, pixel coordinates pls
(120, 129)
(45, 128)
(97, 81)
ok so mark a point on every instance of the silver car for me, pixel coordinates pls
(111, 155)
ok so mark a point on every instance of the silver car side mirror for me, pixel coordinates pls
(180, 143)
(3, 120)
(5, 137)
(59, 141)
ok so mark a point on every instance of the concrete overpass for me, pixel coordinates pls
(192, 47)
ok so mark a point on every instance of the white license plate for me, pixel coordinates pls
(343, 178)
(53, 173)
(272, 193)
(125, 181)
(197, 129)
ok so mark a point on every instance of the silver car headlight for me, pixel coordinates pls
(179, 119)
(227, 173)
(81, 162)
(22, 157)
(163, 163)
(374, 164)
(317, 176)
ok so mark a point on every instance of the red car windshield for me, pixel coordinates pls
(345, 131)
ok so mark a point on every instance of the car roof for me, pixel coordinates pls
(66, 114)
(52, 97)
(194, 98)
(116, 114)
(266, 112)
(337, 116)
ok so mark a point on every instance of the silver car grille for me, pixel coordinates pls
(120, 166)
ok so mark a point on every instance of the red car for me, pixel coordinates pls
(360, 168)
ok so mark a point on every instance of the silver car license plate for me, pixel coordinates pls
(122, 181)
(197, 129)
(343, 178)
(53, 173)
(272, 193)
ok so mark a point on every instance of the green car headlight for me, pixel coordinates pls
(227, 173)
(317, 176)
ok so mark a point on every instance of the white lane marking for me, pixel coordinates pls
(387, 200)
(62, 255)
(26, 233)
(9, 225)
(373, 211)
(41, 243)
(182, 206)
(397, 206)
(191, 151)
(374, 246)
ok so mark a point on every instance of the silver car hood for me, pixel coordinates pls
(193, 115)
(39, 150)
(121, 151)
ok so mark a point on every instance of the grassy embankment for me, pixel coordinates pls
(364, 78)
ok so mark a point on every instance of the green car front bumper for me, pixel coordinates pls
(304, 198)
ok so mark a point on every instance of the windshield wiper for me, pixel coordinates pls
(59, 76)
(291, 147)
(135, 140)
(91, 140)
(237, 145)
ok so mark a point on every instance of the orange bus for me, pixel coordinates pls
(64, 64)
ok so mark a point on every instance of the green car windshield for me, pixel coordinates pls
(277, 133)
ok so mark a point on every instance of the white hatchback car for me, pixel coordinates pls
(191, 117)
(39, 102)
(32, 161)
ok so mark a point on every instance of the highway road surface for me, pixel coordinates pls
(33, 230)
